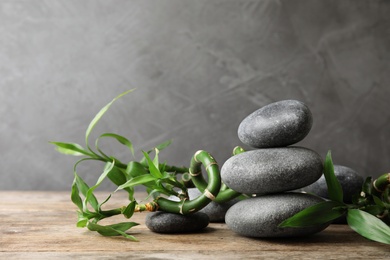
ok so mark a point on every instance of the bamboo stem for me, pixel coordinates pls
(209, 192)
(382, 183)
(225, 193)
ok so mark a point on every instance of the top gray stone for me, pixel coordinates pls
(276, 125)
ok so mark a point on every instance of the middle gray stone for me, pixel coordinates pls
(272, 170)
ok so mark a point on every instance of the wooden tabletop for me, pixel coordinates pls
(40, 225)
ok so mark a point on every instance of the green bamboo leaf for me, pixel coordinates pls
(117, 176)
(374, 209)
(379, 202)
(368, 226)
(152, 168)
(71, 149)
(367, 186)
(386, 197)
(135, 169)
(142, 179)
(318, 214)
(129, 210)
(105, 201)
(83, 187)
(89, 193)
(82, 221)
(335, 191)
(164, 145)
(75, 196)
(119, 138)
(99, 115)
(113, 230)
(155, 160)
(160, 147)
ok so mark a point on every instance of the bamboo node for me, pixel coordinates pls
(196, 154)
(210, 164)
(208, 194)
(181, 206)
(374, 185)
(195, 174)
(151, 206)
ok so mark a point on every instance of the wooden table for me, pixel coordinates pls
(41, 225)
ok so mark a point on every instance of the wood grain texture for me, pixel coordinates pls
(40, 225)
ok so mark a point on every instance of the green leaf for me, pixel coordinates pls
(164, 145)
(75, 197)
(117, 176)
(82, 221)
(367, 186)
(129, 210)
(142, 179)
(113, 230)
(335, 191)
(105, 201)
(320, 213)
(71, 149)
(379, 202)
(368, 226)
(89, 193)
(159, 147)
(152, 168)
(119, 138)
(99, 115)
(374, 209)
(135, 169)
(155, 160)
(83, 187)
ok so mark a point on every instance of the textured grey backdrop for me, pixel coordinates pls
(199, 68)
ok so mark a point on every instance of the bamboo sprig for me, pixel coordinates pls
(159, 179)
(368, 214)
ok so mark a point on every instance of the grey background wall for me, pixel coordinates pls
(199, 67)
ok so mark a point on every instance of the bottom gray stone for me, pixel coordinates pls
(260, 216)
(163, 222)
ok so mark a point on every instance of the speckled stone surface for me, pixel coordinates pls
(278, 124)
(163, 222)
(260, 216)
(272, 170)
(215, 211)
(350, 181)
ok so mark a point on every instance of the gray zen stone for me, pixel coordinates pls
(278, 124)
(215, 211)
(272, 170)
(164, 222)
(260, 216)
(350, 181)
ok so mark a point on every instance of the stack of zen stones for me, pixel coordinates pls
(272, 171)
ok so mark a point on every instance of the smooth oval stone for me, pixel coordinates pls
(272, 170)
(164, 222)
(350, 181)
(215, 211)
(278, 124)
(260, 216)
